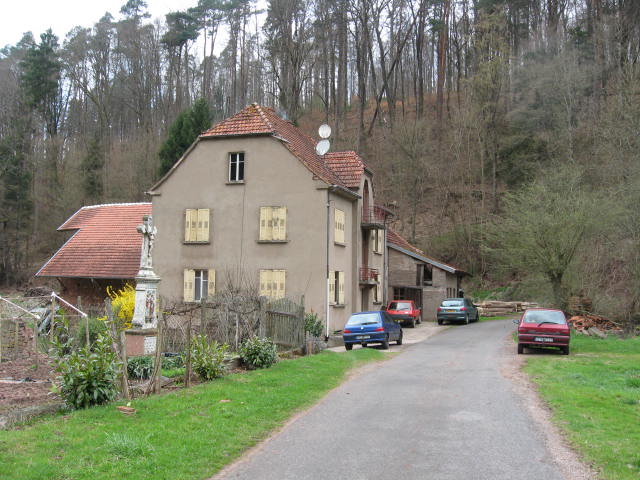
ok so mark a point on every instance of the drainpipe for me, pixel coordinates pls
(327, 311)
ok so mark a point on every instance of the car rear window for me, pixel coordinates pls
(399, 306)
(364, 319)
(545, 316)
(452, 303)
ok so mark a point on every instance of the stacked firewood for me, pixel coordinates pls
(495, 308)
(592, 324)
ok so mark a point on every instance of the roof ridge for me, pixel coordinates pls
(264, 116)
(86, 207)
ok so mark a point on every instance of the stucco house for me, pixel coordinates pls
(414, 276)
(251, 204)
(103, 250)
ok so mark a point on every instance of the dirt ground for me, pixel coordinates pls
(22, 385)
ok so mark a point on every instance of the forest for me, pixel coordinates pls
(504, 134)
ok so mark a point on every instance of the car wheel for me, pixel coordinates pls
(520, 349)
(439, 322)
(412, 323)
(399, 342)
(348, 346)
(477, 317)
(385, 343)
(466, 320)
(420, 319)
(565, 350)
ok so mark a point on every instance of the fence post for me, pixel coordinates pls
(187, 373)
(51, 322)
(157, 365)
(86, 321)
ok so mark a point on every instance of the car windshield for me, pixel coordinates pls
(364, 319)
(452, 303)
(545, 316)
(399, 306)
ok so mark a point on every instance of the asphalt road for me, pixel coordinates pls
(439, 410)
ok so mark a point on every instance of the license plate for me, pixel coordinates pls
(450, 311)
(542, 339)
(363, 337)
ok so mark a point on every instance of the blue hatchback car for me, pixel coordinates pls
(364, 328)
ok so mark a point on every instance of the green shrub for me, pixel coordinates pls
(171, 362)
(140, 367)
(87, 376)
(207, 359)
(258, 352)
(312, 324)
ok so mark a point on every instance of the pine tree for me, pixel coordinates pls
(183, 132)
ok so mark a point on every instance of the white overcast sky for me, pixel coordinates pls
(20, 16)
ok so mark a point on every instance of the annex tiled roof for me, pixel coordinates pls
(348, 166)
(395, 239)
(257, 120)
(106, 243)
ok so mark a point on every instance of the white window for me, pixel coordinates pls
(236, 167)
(273, 224)
(338, 226)
(199, 284)
(336, 288)
(272, 283)
(196, 225)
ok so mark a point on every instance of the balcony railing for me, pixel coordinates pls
(374, 217)
(369, 275)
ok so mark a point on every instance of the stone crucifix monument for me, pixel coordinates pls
(141, 339)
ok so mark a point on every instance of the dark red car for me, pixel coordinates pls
(404, 312)
(542, 327)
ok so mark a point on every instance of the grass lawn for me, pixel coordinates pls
(595, 397)
(188, 434)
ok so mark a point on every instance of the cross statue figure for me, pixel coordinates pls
(148, 232)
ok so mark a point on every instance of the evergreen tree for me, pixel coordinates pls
(182, 133)
(92, 165)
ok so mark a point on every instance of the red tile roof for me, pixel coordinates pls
(106, 243)
(348, 166)
(395, 238)
(257, 120)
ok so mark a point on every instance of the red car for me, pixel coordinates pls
(405, 312)
(542, 327)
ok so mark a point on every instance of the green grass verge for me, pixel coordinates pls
(189, 434)
(502, 317)
(595, 397)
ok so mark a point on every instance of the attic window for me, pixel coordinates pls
(236, 167)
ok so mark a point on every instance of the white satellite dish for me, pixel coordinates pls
(324, 131)
(322, 147)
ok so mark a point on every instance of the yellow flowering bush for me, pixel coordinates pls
(123, 302)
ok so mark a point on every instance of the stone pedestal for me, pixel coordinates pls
(145, 314)
(140, 341)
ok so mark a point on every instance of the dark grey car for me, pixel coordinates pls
(457, 310)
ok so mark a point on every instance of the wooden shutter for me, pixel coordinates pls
(189, 280)
(202, 232)
(265, 283)
(279, 280)
(265, 223)
(211, 290)
(338, 226)
(332, 287)
(190, 222)
(341, 288)
(279, 223)
(379, 292)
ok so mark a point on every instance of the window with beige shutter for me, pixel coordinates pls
(378, 240)
(199, 284)
(332, 287)
(273, 224)
(340, 288)
(273, 283)
(196, 225)
(338, 225)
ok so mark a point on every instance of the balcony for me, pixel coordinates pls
(368, 276)
(374, 217)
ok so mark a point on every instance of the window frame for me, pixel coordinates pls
(270, 233)
(236, 165)
(339, 226)
(201, 233)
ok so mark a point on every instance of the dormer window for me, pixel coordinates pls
(236, 167)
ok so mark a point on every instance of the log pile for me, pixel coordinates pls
(592, 324)
(495, 308)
